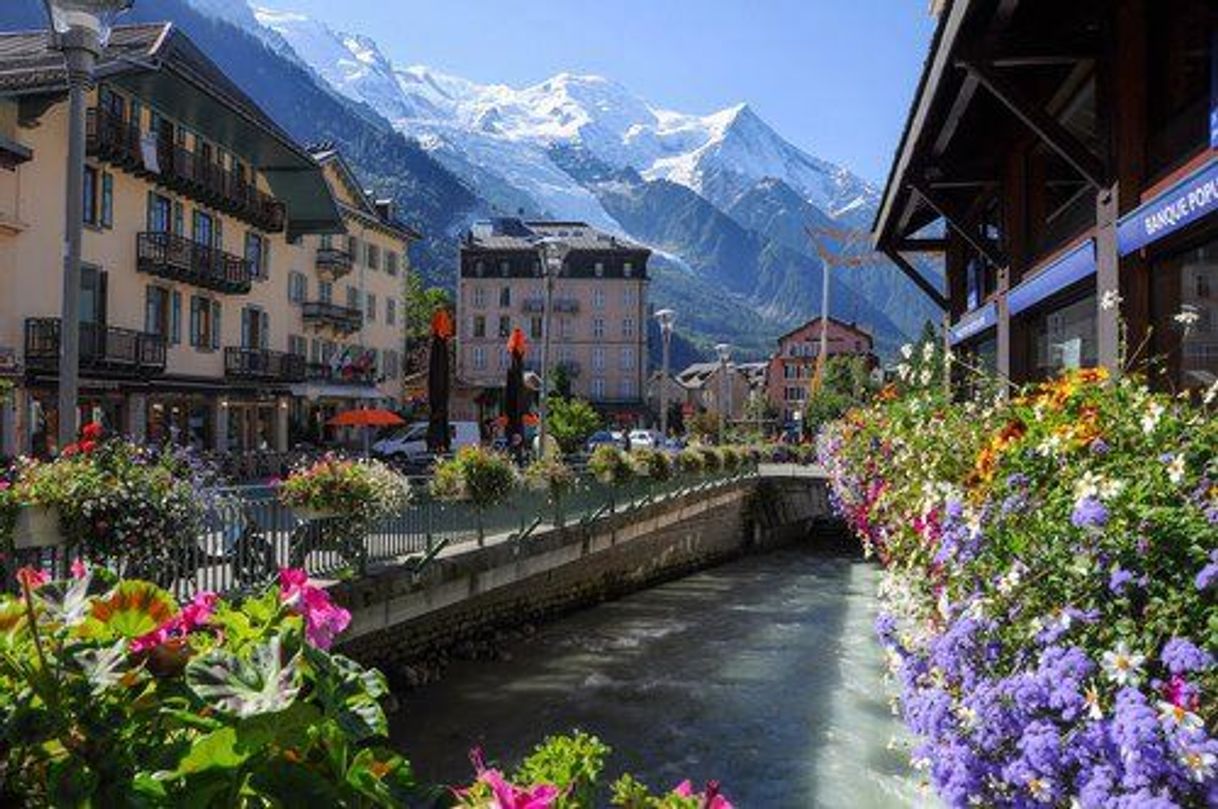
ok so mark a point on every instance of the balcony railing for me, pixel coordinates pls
(325, 374)
(118, 141)
(333, 264)
(177, 258)
(261, 364)
(563, 306)
(103, 349)
(342, 318)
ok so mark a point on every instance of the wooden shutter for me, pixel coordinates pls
(196, 326)
(175, 319)
(215, 325)
(264, 329)
(179, 219)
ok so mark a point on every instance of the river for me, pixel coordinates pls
(762, 673)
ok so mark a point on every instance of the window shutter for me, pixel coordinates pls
(107, 196)
(179, 219)
(150, 221)
(195, 320)
(246, 312)
(266, 257)
(264, 331)
(175, 319)
(149, 311)
(218, 231)
(215, 325)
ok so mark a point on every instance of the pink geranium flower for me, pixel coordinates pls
(506, 795)
(711, 799)
(79, 569)
(194, 615)
(32, 579)
(323, 620)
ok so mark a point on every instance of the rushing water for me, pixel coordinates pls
(762, 673)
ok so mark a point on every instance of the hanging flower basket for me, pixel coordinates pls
(37, 527)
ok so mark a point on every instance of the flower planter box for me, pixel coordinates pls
(37, 527)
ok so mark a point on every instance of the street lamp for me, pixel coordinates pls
(553, 256)
(725, 353)
(81, 29)
(667, 318)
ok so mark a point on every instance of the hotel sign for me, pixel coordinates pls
(975, 322)
(1188, 201)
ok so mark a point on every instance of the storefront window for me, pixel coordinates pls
(1063, 338)
(1185, 303)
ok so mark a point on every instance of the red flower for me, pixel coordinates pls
(92, 431)
(70, 450)
(88, 446)
(32, 579)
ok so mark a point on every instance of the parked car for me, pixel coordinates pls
(410, 443)
(644, 439)
(601, 437)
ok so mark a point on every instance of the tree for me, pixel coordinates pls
(560, 381)
(420, 303)
(571, 421)
(847, 382)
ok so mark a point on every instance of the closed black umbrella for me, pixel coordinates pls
(515, 404)
(438, 383)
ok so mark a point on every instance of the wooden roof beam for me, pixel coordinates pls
(1053, 134)
(911, 272)
(960, 224)
(921, 245)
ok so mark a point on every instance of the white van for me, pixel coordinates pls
(410, 443)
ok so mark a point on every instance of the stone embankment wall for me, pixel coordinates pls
(465, 597)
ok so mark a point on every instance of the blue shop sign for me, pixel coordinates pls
(975, 322)
(1073, 266)
(1188, 201)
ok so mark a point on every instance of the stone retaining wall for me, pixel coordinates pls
(399, 619)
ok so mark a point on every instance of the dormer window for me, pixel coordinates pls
(505, 268)
(600, 269)
(478, 268)
(628, 269)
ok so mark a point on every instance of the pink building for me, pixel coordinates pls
(792, 367)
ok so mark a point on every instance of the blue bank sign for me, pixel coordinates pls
(974, 323)
(1188, 201)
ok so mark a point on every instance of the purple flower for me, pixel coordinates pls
(1119, 580)
(1089, 512)
(1208, 576)
(1182, 656)
(1099, 447)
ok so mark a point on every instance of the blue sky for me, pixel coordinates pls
(833, 76)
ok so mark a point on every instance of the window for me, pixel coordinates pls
(505, 297)
(479, 358)
(390, 364)
(391, 262)
(179, 219)
(175, 318)
(627, 358)
(156, 311)
(505, 359)
(598, 388)
(298, 345)
(370, 307)
(626, 388)
(107, 200)
(90, 198)
(1185, 315)
(325, 291)
(599, 269)
(564, 328)
(628, 268)
(535, 328)
(598, 328)
(505, 268)
(598, 299)
(374, 257)
(298, 287)
(201, 228)
(598, 358)
(258, 254)
(628, 327)
(160, 213)
(255, 327)
(391, 311)
(505, 326)
(630, 296)
(352, 298)
(479, 268)
(204, 317)
(479, 325)
(1063, 338)
(479, 297)
(353, 248)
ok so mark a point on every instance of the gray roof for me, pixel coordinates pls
(515, 234)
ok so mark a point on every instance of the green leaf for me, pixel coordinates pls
(243, 686)
(382, 776)
(66, 602)
(103, 667)
(292, 784)
(218, 750)
(131, 609)
(349, 693)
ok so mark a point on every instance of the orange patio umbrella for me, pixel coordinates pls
(372, 417)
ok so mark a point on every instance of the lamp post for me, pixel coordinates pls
(725, 353)
(79, 28)
(667, 318)
(553, 256)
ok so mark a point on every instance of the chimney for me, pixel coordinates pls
(385, 209)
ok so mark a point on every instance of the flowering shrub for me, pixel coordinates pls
(651, 463)
(475, 475)
(1051, 574)
(552, 476)
(610, 465)
(115, 500)
(112, 695)
(363, 490)
(691, 461)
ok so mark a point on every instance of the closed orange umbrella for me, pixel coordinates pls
(373, 417)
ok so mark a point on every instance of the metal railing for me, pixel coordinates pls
(248, 535)
(343, 318)
(176, 258)
(119, 141)
(333, 263)
(103, 349)
(260, 363)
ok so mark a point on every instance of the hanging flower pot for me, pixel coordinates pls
(37, 527)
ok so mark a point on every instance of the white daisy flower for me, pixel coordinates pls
(1175, 716)
(1122, 666)
(1200, 764)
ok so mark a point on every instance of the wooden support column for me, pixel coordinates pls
(1004, 325)
(1107, 278)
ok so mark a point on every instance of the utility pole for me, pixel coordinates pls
(848, 238)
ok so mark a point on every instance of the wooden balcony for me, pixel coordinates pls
(104, 350)
(263, 365)
(119, 142)
(343, 319)
(176, 258)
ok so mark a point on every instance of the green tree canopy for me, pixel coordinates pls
(571, 421)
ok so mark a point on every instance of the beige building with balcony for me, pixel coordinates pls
(598, 323)
(207, 235)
